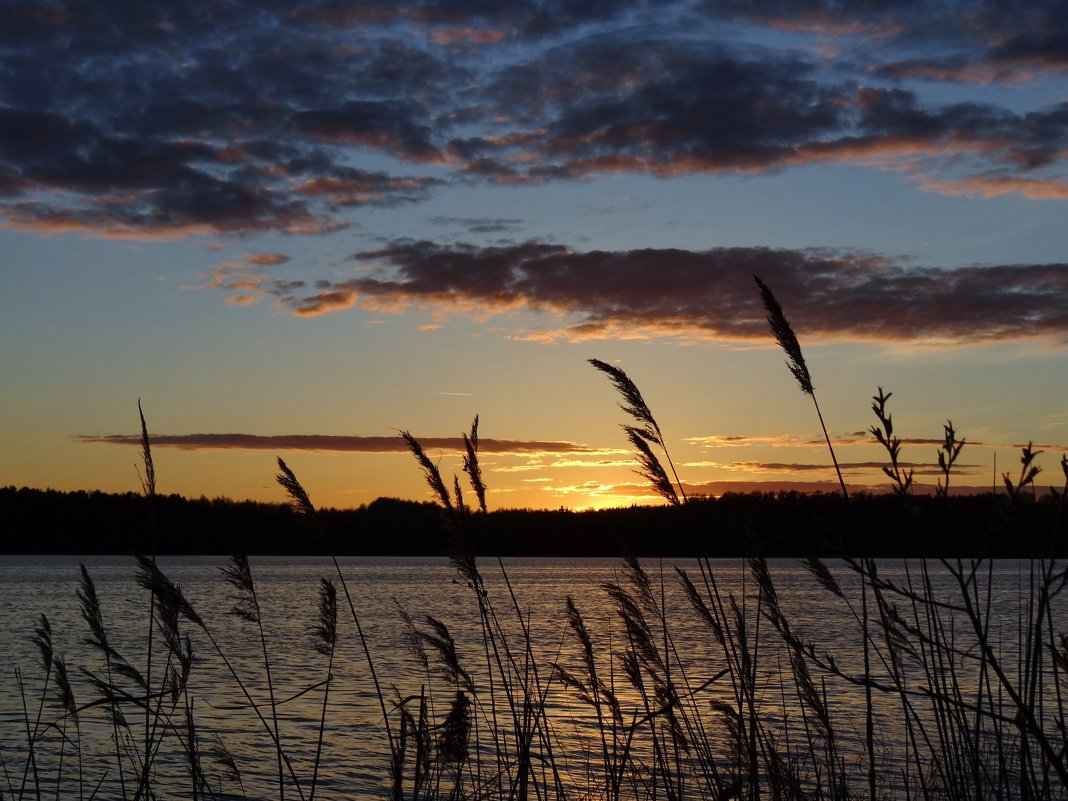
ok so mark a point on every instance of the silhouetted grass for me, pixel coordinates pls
(733, 698)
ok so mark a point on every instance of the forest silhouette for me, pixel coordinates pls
(775, 525)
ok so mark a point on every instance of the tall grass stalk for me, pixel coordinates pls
(697, 689)
(301, 501)
(148, 486)
(795, 361)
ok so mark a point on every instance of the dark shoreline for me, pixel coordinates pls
(781, 525)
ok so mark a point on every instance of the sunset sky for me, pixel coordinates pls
(295, 229)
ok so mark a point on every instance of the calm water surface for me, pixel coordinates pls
(355, 755)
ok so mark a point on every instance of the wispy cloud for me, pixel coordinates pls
(845, 440)
(326, 442)
(921, 468)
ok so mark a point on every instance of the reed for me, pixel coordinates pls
(704, 683)
(795, 361)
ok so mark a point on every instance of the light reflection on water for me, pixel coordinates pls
(355, 760)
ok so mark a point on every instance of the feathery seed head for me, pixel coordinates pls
(298, 498)
(786, 338)
(148, 481)
(430, 471)
(325, 630)
(42, 638)
(64, 693)
(633, 403)
(471, 466)
(239, 576)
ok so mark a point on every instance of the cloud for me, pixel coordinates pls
(997, 185)
(828, 295)
(921, 468)
(456, 35)
(481, 225)
(247, 280)
(171, 121)
(718, 488)
(780, 440)
(326, 442)
(850, 439)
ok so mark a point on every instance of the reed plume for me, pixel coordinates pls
(298, 497)
(455, 732)
(324, 640)
(301, 502)
(430, 471)
(471, 466)
(644, 435)
(442, 643)
(148, 480)
(633, 403)
(324, 632)
(787, 339)
(42, 638)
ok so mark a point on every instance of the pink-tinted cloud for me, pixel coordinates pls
(247, 279)
(997, 185)
(323, 303)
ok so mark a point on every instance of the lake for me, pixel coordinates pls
(692, 744)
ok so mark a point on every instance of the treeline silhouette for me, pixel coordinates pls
(783, 524)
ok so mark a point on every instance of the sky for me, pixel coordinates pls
(296, 229)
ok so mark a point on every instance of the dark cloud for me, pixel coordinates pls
(393, 127)
(169, 119)
(829, 295)
(325, 442)
(185, 119)
(684, 108)
(481, 225)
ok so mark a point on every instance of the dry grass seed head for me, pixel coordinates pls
(442, 643)
(823, 575)
(42, 638)
(455, 731)
(575, 621)
(64, 693)
(298, 497)
(471, 466)
(412, 637)
(430, 471)
(633, 402)
(651, 468)
(220, 755)
(239, 576)
(785, 336)
(324, 632)
(699, 605)
(151, 578)
(148, 480)
(91, 613)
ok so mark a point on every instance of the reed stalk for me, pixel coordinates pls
(795, 361)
